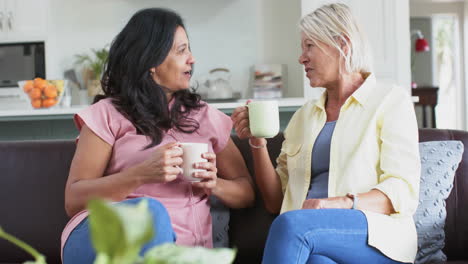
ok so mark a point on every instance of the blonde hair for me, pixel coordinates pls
(334, 25)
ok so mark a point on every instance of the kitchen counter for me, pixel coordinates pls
(285, 105)
(57, 113)
(39, 114)
(57, 123)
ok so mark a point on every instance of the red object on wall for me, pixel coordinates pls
(421, 45)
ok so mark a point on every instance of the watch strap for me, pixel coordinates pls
(354, 197)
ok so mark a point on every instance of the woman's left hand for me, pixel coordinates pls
(341, 202)
(208, 177)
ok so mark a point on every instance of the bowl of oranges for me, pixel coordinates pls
(43, 93)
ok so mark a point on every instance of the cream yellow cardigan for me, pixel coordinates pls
(374, 146)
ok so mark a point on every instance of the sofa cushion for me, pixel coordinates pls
(220, 222)
(439, 161)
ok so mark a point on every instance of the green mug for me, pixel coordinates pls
(263, 118)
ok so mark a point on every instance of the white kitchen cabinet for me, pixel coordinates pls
(386, 24)
(23, 20)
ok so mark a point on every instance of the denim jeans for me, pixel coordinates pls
(321, 236)
(79, 250)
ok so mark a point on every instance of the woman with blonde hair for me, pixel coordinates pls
(347, 179)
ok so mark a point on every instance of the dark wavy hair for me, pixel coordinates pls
(144, 43)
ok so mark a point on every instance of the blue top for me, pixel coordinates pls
(321, 163)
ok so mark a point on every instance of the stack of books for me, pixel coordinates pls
(268, 81)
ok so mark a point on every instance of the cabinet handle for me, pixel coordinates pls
(1, 21)
(10, 20)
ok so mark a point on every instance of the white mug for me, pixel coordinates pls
(192, 154)
(263, 118)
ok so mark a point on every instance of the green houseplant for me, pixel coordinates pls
(118, 233)
(95, 62)
(93, 66)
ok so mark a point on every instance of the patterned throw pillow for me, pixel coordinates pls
(439, 161)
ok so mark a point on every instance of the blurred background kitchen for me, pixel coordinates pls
(243, 49)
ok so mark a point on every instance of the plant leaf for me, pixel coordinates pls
(102, 259)
(82, 59)
(107, 231)
(174, 254)
(119, 230)
(137, 222)
(39, 259)
(96, 62)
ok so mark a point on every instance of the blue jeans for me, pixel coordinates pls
(79, 250)
(321, 236)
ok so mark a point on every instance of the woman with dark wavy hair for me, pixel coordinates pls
(128, 148)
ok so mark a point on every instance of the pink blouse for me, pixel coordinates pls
(190, 214)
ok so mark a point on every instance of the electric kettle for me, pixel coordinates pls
(217, 84)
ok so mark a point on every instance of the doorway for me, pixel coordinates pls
(441, 67)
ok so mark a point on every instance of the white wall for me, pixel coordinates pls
(402, 65)
(223, 33)
(279, 39)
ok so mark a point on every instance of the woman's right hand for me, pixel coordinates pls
(163, 164)
(240, 120)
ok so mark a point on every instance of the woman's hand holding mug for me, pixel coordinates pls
(163, 165)
(240, 119)
(199, 166)
(208, 173)
(256, 121)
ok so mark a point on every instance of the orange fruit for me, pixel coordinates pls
(28, 86)
(48, 102)
(36, 103)
(51, 91)
(40, 83)
(35, 93)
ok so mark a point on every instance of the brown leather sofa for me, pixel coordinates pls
(33, 176)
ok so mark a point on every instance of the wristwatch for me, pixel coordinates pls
(353, 197)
